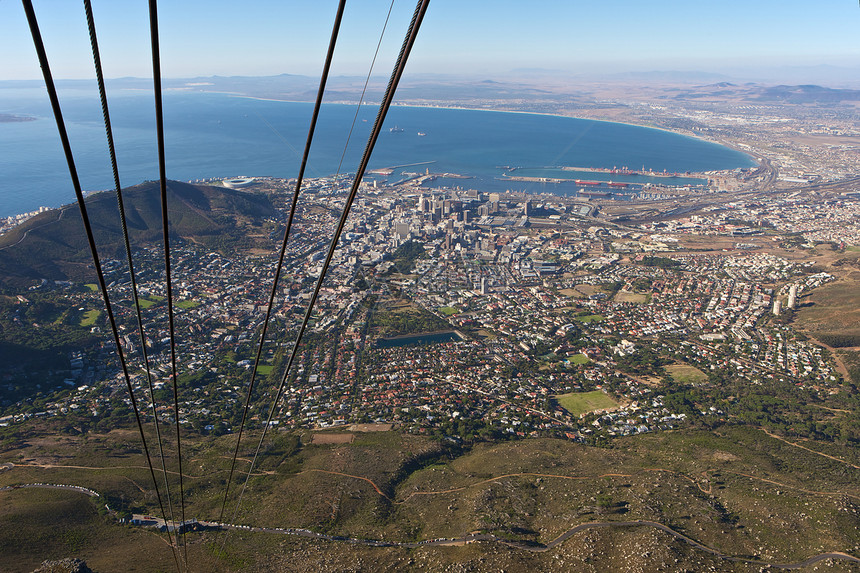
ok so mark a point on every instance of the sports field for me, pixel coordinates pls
(578, 403)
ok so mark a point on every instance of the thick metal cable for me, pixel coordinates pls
(397, 73)
(279, 268)
(112, 151)
(162, 176)
(364, 89)
(73, 173)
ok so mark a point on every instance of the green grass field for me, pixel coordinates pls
(186, 304)
(579, 359)
(145, 303)
(448, 310)
(686, 374)
(578, 403)
(588, 318)
(265, 369)
(92, 286)
(90, 317)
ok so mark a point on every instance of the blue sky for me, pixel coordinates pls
(201, 38)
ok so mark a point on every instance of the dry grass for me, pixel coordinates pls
(371, 427)
(319, 439)
(626, 296)
(835, 308)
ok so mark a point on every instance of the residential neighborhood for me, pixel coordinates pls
(463, 314)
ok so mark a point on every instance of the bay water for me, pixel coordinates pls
(212, 135)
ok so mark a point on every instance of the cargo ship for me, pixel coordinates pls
(585, 193)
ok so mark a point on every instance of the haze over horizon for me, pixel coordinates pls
(770, 40)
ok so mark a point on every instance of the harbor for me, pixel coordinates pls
(618, 178)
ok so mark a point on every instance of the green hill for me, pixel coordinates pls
(53, 245)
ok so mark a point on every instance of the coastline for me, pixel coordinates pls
(727, 145)
(747, 155)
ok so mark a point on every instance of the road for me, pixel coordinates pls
(27, 232)
(74, 488)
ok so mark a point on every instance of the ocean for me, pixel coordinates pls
(221, 135)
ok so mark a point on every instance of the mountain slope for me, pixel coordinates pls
(53, 245)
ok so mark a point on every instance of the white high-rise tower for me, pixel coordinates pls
(792, 296)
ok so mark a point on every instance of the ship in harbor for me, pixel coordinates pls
(617, 185)
(588, 193)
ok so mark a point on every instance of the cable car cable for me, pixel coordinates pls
(73, 173)
(364, 89)
(279, 267)
(396, 75)
(162, 176)
(112, 151)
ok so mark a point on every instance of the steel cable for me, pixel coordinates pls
(112, 151)
(279, 267)
(396, 75)
(364, 90)
(162, 176)
(73, 173)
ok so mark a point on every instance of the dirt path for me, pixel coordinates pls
(794, 487)
(840, 366)
(838, 410)
(368, 480)
(512, 475)
(834, 458)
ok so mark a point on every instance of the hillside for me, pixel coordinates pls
(53, 246)
(735, 500)
(752, 92)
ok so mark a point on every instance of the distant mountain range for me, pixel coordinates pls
(519, 85)
(53, 245)
(808, 93)
(777, 94)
